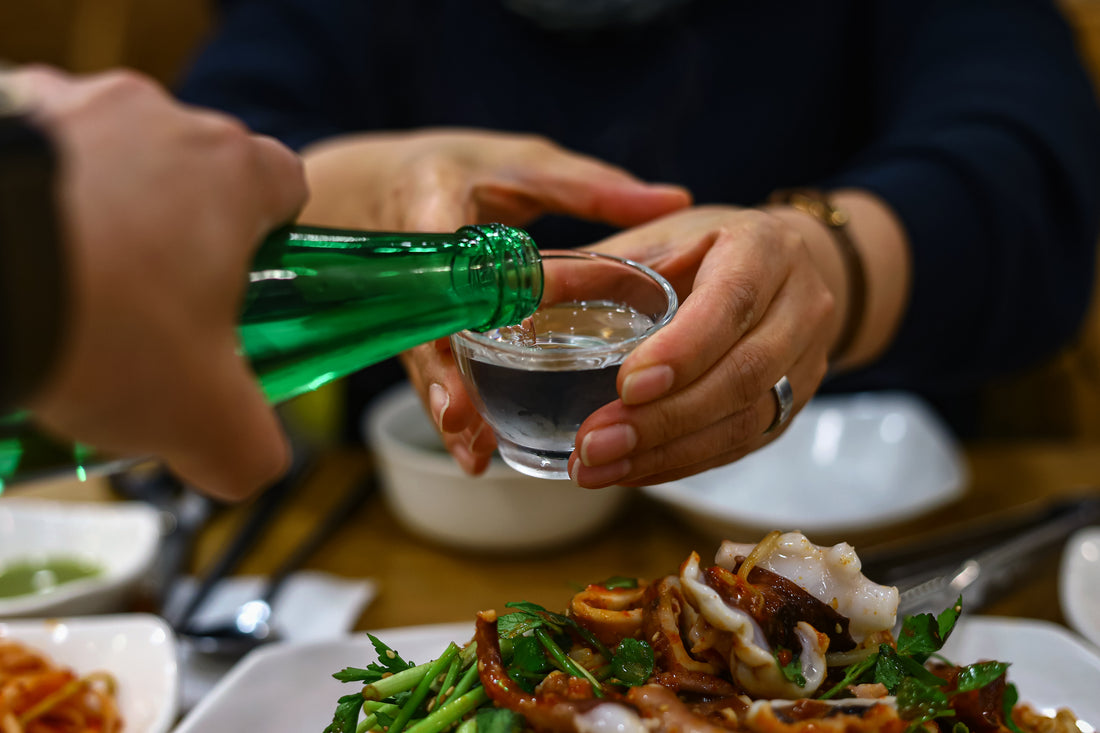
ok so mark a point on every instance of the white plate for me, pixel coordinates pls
(846, 462)
(1051, 667)
(289, 688)
(122, 538)
(139, 650)
(1079, 584)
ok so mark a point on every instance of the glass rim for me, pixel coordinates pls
(673, 304)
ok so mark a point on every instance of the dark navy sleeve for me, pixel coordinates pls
(982, 131)
(988, 149)
(286, 68)
(34, 301)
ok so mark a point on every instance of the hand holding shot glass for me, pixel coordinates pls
(535, 383)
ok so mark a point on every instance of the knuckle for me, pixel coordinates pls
(705, 448)
(666, 457)
(226, 129)
(125, 86)
(667, 422)
(749, 375)
(429, 172)
(127, 80)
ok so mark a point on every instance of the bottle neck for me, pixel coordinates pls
(322, 303)
(518, 269)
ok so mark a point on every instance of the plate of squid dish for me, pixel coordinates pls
(780, 636)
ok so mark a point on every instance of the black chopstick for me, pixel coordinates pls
(267, 506)
(359, 492)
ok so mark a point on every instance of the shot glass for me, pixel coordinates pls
(535, 383)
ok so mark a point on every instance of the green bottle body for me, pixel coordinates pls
(322, 303)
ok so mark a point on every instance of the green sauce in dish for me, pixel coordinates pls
(31, 577)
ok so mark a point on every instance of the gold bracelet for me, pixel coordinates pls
(816, 204)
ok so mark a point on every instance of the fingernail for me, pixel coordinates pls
(438, 401)
(608, 444)
(668, 188)
(646, 385)
(600, 476)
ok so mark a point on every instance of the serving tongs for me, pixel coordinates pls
(978, 560)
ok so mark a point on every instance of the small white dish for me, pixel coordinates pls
(120, 538)
(138, 650)
(1050, 668)
(501, 509)
(1050, 665)
(847, 462)
(1079, 583)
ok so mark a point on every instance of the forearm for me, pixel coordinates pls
(988, 156)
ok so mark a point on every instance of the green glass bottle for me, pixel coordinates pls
(322, 303)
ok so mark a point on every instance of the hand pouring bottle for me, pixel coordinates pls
(322, 303)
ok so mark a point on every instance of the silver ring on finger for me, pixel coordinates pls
(784, 404)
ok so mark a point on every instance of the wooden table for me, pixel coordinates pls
(420, 583)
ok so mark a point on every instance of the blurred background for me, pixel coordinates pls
(1059, 401)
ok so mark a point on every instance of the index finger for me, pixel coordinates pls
(734, 283)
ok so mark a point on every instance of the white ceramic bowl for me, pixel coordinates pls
(138, 650)
(1079, 583)
(500, 510)
(120, 538)
(846, 463)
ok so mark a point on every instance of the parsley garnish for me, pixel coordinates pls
(632, 663)
(922, 696)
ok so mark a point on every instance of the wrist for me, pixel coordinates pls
(818, 206)
(828, 260)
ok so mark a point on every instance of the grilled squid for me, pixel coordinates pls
(830, 574)
(752, 660)
(610, 613)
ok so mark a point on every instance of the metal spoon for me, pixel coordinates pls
(251, 625)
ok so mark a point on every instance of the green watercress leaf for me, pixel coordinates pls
(977, 676)
(389, 662)
(498, 720)
(346, 716)
(530, 656)
(854, 674)
(1011, 697)
(919, 702)
(892, 668)
(923, 634)
(530, 616)
(616, 582)
(632, 663)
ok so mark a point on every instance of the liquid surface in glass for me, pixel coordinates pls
(540, 404)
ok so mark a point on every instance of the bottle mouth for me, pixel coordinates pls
(519, 266)
(643, 289)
